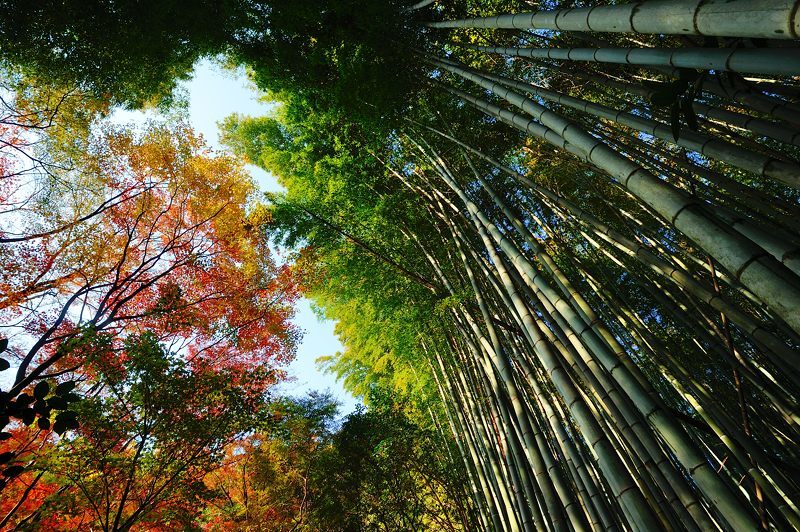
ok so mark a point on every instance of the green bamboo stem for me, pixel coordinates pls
(486, 512)
(601, 518)
(770, 210)
(708, 145)
(611, 396)
(785, 172)
(669, 430)
(528, 434)
(530, 495)
(585, 319)
(637, 508)
(529, 340)
(756, 373)
(443, 278)
(645, 343)
(491, 470)
(470, 381)
(540, 404)
(641, 448)
(513, 443)
(730, 435)
(623, 415)
(756, 269)
(769, 19)
(780, 61)
(755, 125)
(485, 497)
(761, 103)
(752, 328)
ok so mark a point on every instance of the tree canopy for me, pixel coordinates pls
(559, 241)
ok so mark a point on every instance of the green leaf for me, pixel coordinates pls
(675, 121)
(662, 98)
(43, 423)
(689, 115)
(668, 94)
(57, 403)
(3, 344)
(59, 427)
(65, 387)
(687, 74)
(698, 84)
(6, 457)
(72, 397)
(28, 415)
(66, 420)
(40, 405)
(4, 364)
(68, 414)
(41, 390)
(24, 399)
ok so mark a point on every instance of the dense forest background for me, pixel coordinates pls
(560, 241)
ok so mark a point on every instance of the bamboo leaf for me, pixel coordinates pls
(688, 113)
(675, 121)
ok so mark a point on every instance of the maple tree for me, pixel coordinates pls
(28, 490)
(151, 429)
(267, 480)
(178, 256)
(112, 232)
(305, 470)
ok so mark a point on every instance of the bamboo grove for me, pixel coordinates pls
(618, 342)
(602, 449)
(568, 235)
(585, 394)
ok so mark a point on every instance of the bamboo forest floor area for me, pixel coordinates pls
(560, 241)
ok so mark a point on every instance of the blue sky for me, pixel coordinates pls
(215, 93)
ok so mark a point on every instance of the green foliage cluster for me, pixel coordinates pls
(341, 53)
(150, 429)
(131, 52)
(338, 52)
(304, 469)
(385, 472)
(348, 213)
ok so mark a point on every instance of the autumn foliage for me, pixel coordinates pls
(135, 268)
